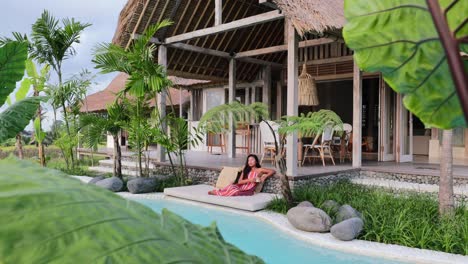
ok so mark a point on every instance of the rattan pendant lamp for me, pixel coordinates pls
(308, 94)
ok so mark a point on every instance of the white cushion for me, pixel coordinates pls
(199, 193)
(227, 176)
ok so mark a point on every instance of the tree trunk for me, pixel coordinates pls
(285, 188)
(117, 157)
(40, 146)
(19, 146)
(446, 201)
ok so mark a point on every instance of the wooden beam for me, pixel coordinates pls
(357, 116)
(281, 48)
(247, 96)
(231, 95)
(292, 96)
(218, 12)
(268, 3)
(279, 100)
(241, 23)
(212, 52)
(161, 102)
(192, 48)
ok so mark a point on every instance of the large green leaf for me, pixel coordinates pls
(16, 117)
(47, 217)
(12, 64)
(23, 89)
(399, 39)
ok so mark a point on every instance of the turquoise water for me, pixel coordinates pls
(259, 238)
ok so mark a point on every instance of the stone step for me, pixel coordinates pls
(101, 169)
(130, 165)
(461, 190)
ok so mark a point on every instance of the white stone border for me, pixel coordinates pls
(359, 247)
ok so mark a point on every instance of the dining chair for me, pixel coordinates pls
(323, 150)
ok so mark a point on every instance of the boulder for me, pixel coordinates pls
(96, 179)
(113, 184)
(331, 206)
(142, 185)
(309, 219)
(348, 229)
(305, 204)
(346, 212)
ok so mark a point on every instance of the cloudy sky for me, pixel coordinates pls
(19, 15)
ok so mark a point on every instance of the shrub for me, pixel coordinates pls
(405, 218)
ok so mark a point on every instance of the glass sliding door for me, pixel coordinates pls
(387, 123)
(404, 132)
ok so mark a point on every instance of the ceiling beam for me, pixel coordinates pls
(237, 24)
(280, 48)
(212, 52)
(218, 12)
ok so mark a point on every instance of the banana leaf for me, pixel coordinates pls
(399, 39)
(48, 217)
(12, 64)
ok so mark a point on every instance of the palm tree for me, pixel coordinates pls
(52, 44)
(146, 78)
(94, 127)
(217, 120)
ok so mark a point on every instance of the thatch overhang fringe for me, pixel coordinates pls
(314, 16)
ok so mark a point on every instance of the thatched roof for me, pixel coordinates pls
(191, 15)
(318, 16)
(99, 101)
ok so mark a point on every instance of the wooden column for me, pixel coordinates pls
(292, 97)
(279, 100)
(254, 94)
(180, 102)
(192, 107)
(231, 95)
(357, 117)
(247, 96)
(218, 12)
(266, 91)
(161, 103)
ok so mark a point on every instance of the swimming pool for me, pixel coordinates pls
(257, 237)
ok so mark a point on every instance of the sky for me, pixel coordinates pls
(19, 15)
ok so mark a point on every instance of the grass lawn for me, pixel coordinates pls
(407, 219)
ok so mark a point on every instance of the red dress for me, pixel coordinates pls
(239, 189)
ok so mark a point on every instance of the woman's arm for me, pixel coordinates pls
(266, 173)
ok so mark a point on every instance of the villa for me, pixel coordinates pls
(253, 51)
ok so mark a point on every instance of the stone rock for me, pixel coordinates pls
(346, 212)
(331, 206)
(309, 219)
(96, 179)
(305, 204)
(113, 184)
(142, 185)
(348, 229)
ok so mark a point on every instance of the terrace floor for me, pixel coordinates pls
(420, 166)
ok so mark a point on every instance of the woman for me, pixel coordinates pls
(251, 175)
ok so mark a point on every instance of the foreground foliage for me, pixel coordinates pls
(408, 219)
(49, 217)
(412, 59)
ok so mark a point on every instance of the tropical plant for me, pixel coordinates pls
(15, 118)
(53, 44)
(94, 126)
(95, 225)
(218, 119)
(38, 81)
(418, 61)
(146, 78)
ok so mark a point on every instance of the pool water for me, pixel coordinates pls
(257, 237)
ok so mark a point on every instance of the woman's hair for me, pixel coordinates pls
(247, 168)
